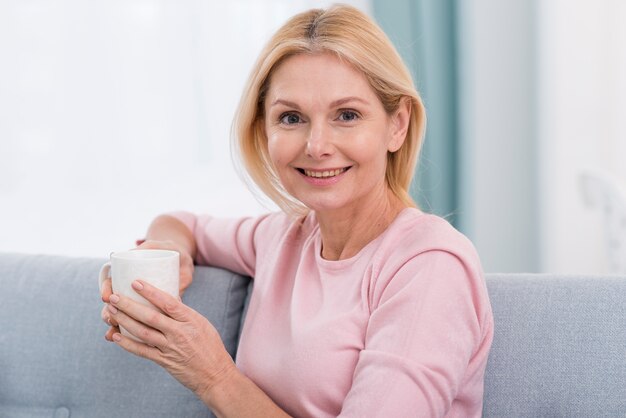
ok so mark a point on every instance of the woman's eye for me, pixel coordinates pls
(348, 116)
(290, 118)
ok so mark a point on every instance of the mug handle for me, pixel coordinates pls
(105, 273)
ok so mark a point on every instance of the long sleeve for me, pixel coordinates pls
(426, 344)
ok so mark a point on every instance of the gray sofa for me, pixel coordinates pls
(559, 348)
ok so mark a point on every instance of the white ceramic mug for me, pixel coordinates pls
(160, 268)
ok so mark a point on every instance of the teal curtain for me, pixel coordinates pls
(423, 31)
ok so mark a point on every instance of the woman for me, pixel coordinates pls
(363, 306)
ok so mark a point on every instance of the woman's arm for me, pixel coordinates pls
(426, 342)
(166, 228)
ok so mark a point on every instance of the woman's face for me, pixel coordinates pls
(328, 133)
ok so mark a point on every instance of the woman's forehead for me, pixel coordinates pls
(322, 75)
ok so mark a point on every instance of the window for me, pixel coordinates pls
(113, 112)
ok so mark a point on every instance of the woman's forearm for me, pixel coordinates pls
(168, 228)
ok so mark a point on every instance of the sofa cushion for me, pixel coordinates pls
(54, 360)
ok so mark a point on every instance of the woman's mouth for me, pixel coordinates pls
(323, 174)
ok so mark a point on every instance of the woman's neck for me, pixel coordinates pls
(345, 234)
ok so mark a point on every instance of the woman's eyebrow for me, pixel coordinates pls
(349, 99)
(335, 103)
(285, 103)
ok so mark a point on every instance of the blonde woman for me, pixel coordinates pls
(363, 305)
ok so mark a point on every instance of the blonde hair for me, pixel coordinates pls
(357, 40)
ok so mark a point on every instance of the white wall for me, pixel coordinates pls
(582, 103)
(113, 112)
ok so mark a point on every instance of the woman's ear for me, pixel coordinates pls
(400, 125)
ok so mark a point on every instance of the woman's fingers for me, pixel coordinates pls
(105, 314)
(110, 332)
(122, 307)
(106, 290)
(137, 348)
(139, 330)
(173, 307)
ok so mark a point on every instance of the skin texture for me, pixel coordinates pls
(322, 116)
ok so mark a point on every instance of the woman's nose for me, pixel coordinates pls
(319, 144)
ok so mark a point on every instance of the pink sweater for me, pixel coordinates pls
(402, 329)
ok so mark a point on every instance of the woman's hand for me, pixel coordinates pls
(179, 339)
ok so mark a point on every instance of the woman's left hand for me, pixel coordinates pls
(179, 339)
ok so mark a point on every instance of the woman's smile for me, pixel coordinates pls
(322, 173)
(322, 177)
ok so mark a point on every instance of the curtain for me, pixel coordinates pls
(475, 63)
(424, 33)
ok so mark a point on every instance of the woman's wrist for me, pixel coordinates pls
(215, 385)
(235, 395)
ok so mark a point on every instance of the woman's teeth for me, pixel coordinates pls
(324, 174)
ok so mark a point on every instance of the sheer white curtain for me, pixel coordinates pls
(112, 112)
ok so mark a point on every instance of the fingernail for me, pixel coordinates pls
(114, 299)
(137, 285)
(117, 337)
(113, 310)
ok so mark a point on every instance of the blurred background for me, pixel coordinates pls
(112, 112)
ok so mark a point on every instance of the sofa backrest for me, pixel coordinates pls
(559, 347)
